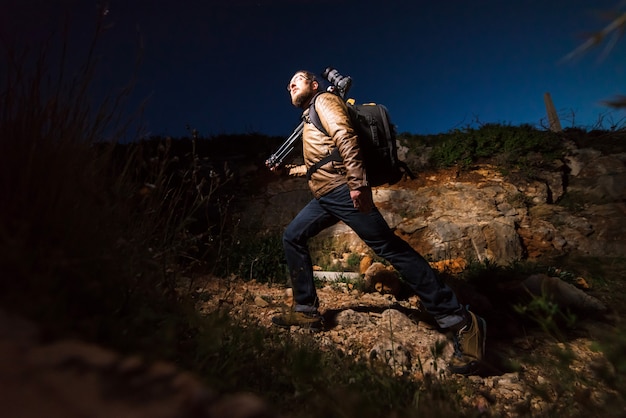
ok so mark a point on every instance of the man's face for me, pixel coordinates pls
(301, 89)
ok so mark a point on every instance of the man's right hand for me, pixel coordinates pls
(362, 199)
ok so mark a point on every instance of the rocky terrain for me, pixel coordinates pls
(70, 378)
(395, 332)
(486, 214)
(573, 211)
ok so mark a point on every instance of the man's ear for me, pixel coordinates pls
(315, 85)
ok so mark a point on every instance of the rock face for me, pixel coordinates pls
(482, 215)
(447, 218)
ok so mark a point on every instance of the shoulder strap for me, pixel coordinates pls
(333, 156)
(315, 120)
(314, 117)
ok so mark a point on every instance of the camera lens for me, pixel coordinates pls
(333, 76)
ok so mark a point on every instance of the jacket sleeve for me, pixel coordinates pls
(333, 114)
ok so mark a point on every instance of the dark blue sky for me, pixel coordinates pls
(221, 66)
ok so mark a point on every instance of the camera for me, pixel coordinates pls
(342, 83)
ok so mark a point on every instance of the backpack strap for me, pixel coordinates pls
(314, 117)
(405, 169)
(333, 156)
(383, 114)
(315, 120)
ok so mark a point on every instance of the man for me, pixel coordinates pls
(341, 193)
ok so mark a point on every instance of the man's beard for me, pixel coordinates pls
(301, 99)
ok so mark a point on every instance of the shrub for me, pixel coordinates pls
(522, 147)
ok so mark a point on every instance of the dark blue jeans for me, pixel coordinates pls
(319, 214)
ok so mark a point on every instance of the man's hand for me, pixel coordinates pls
(362, 199)
(273, 168)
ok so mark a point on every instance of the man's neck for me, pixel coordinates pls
(306, 104)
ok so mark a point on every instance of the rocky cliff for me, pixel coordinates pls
(488, 212)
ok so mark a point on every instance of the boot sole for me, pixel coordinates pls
(313, 327)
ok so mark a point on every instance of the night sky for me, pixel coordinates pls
(221, 66)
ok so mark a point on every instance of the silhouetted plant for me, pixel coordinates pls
(86, 249)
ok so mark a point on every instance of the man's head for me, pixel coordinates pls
(302, 87)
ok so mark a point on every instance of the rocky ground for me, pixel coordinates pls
(523, 373)
(554, 370)
(527, 372)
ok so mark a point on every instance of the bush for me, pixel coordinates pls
(522, 147)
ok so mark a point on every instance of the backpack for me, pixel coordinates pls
(377, 140)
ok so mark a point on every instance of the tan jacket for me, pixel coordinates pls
(333, 114)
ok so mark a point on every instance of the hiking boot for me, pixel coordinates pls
(469, 346)
(312, 321)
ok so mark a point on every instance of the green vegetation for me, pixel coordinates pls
(103, 242)
(333, 254)
(258, 256)
(522, 147)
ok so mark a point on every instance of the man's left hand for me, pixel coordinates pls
(362, 199)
